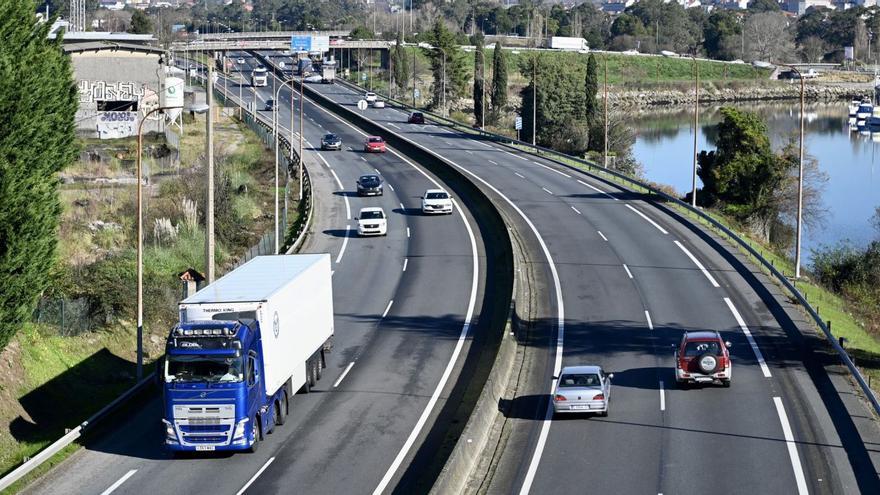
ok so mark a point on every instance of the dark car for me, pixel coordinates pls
(702, 357)
(369, 185)
(331, 142)
(270, 105)
(416, 118)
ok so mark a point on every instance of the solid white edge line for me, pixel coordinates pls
(519, 175)
(345, 372)
(402, 207)
(548, 191)
(745, 330)
(469, 152)
(119, 482)
(551, 169)
(576, 210)
(602, 235)
(255, 476)
(662, 397)
(628, 273)
(338, 182)
(648, 317)
(792, 448)
(697, 262)
(387, 308)
(652, 222)
(493, 162)
(344, 243)
(597, 189)
(391, 187)
(405, 261)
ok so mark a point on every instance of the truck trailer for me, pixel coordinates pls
(567, 43)
(244, 345)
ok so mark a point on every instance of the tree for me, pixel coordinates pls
(813, 49)
(764, 6)
(768, 37)
(742, 174)
(499, 80)
(721, 33)
(362, 33)
(479, 82)
(140, 23)
(447, 65)
(400, 63)
(37, 142)
(591, 88)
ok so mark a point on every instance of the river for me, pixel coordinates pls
(851, 160)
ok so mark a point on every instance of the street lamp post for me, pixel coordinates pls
(209, 152)
(800, 198)
(302, 97)
(140, 241)
(696, 130)
(534, 99)
(605, 147)
(275, 132)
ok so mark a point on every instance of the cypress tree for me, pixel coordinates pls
(479, 81)
(591, 87)
(499, 81)
(400, 63)
(38, 102)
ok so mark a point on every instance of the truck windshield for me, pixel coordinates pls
(213, 369)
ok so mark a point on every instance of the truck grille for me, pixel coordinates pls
(204, 428)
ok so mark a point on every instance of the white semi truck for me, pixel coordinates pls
(567, 43)
(244, 345)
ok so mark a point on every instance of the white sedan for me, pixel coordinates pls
(582, 389)
(239, 61)
(378, 104)
(370, 97)
(436, 201)
(372, 221)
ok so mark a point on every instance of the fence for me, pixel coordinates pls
(69, 317)
(658, 195)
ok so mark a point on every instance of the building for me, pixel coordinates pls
(616, 6)
(800, 7)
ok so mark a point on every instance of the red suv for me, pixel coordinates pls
(374, 144)
(702, 357)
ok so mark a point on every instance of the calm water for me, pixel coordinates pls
(664, 146)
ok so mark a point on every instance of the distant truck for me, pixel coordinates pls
(244, 345)
(328, 71)
(566, 43)
(304, 66)
(260, 77)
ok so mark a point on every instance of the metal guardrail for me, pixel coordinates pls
(56, 446)
(596, 171)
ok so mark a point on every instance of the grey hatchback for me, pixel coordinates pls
(582, 389)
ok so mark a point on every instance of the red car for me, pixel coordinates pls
(374, 144)
(702, 357)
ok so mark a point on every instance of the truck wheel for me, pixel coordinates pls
(281, 410)
(256, 432)
(311, 373)
(321, 364)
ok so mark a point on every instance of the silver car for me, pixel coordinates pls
(582, 389)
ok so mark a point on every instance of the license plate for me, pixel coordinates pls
(580, 408)
(205, 448)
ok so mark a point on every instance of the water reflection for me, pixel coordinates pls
(847, 153)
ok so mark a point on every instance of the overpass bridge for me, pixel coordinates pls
(270, 35)
(270, 44)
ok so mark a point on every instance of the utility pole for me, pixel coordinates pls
(209, 153)
(800, 204)
(534, 99)
(696, 129)
(302, 98)
(413, 76)
(605, 147)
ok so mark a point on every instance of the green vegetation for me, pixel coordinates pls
(479, 81)
(400, 64)
(36, 143)
(499, 81)
(448, 66)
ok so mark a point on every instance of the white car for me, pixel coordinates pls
(436, 201)
(314, 79)
(378, 104)
(372, 221)
(582, 389)
(239, 61)
(370, 97)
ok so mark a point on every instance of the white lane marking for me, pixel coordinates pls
(387, 308)
(548, 191)
(602, 235)
(662, 397)
(576, 210)
(405, 261)
(597, 189)
(509, 153)
(493, 162)
(519, 175)
(339, 380)
(254, 478)
(742, 325)
(377, 170)
(448, 142)
(792, 448)
(551, 169)
(629, 273)
(469, 152)
(697, 262)
(648, 317)
(338, 182)
(483, 144)
(407, 231)
(402, 207)
(655, 224)
(522, 158)
(390, 187)
(350, 148)
(394, 126)
(119, 482)
(332, 272)
(344, 243)
(364, 159)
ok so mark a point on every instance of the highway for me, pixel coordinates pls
(619, 281)
(407, 306)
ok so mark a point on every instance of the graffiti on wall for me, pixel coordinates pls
(91, 92)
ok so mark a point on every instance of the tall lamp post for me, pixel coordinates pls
(605, 148)
(800, 200)
(696, 129)
(275, 131)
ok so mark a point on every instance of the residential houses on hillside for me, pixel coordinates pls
(794, 6)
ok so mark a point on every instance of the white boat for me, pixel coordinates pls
(864, 111)
(853, 107)
(873, 122)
